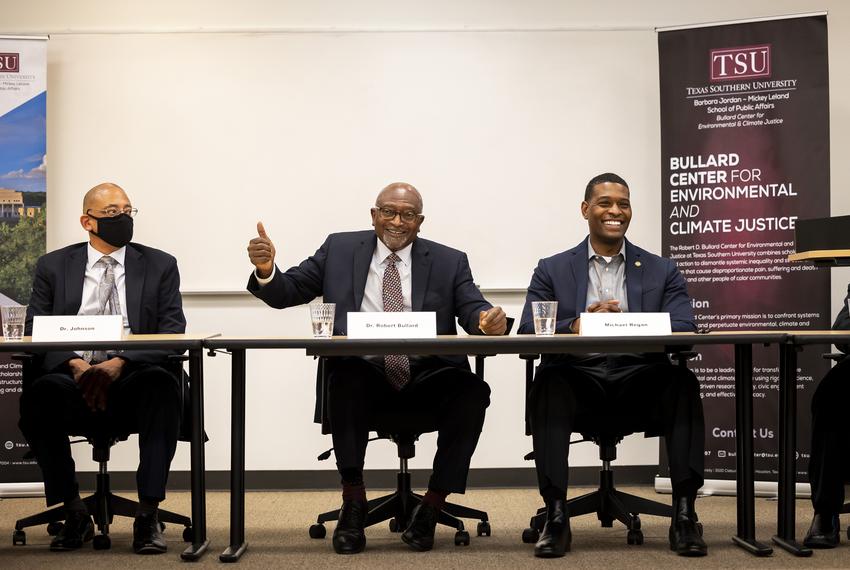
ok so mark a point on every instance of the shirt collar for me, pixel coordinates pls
(404, 254)
(591, 254)
(95, 255)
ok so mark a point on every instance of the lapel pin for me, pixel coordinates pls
(637, 263)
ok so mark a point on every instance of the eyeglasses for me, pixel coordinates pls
(390, 214)
(113, 212)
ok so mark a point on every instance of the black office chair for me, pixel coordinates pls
(837, 356)
(397, 507)
(103, 505)
(607, 502)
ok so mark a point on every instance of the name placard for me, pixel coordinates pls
(67, 328)
(422, 324)
(625, 324)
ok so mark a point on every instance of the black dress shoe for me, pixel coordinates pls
(147, 535)
(349, 537)
(824, 532)
(78, 529)
(556, 538)
(420, 532)
(685, 536)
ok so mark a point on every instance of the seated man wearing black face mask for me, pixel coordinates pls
(127, 392)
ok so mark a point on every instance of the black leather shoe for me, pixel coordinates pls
(147, 535)
(349, 537)
(78, 529)
(824, 532)
(420, 532)
(556, 538)
(685, 536)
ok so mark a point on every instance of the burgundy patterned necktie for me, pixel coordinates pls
(396, 366)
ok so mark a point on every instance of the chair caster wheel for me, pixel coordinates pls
(607, 522)
(55, 528)
(102, 542)
(318, 531)
(395, 525)
(461, 538)
(635, 537)
(19, 538)
(530, 535)
(188, 534)
(483, 528)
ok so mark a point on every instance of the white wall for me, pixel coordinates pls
(280, 391)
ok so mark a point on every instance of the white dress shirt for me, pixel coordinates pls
(90, 304)
(373, 295)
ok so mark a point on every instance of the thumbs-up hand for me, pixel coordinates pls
(261, 252)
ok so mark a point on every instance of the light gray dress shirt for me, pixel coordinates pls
(606, 277)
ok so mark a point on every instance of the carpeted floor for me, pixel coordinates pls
(277, 525)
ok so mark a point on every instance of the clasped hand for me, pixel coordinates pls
(94, 380)
(610, 306)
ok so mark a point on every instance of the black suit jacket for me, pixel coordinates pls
(152, 284)
(441, 281)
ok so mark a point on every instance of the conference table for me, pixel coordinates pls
(193, 343)
(742, 341)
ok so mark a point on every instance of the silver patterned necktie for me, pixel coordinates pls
(108, 302)
(396, 366)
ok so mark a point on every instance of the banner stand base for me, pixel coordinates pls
(728, 488)
(21, 490)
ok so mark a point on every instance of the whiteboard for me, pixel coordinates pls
(209, 133)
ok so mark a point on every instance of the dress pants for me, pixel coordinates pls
(144, 400)
(449, 399)
(615, 395)
(829, 464)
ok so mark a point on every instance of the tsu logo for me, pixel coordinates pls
(10, 62)
(740, 63)
(9, 445)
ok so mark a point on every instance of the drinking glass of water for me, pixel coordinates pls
(544, 313)
(322, 317)
(13, 318)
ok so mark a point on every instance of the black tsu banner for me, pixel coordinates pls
(744, 154)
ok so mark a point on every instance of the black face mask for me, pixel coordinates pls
(116, 231)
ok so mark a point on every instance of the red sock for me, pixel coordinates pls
(354, 492)
(436, 499)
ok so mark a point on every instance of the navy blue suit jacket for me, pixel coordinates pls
(152, 284)
(441, 281)
(653, 284)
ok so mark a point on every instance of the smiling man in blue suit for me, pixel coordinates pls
(391, 269)
(640, 392)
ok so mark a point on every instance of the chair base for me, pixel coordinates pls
(103, 506)
(398, 507)
(609, 504)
